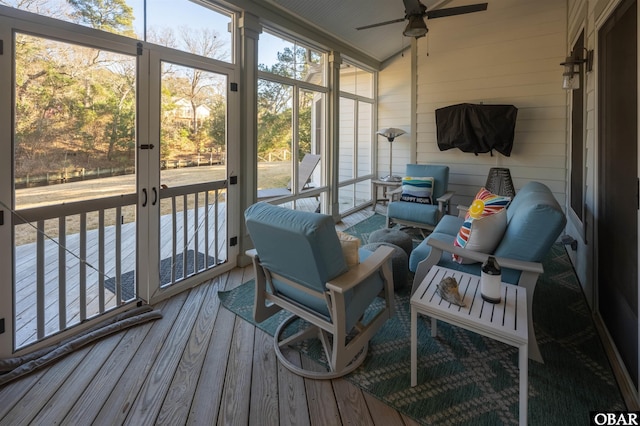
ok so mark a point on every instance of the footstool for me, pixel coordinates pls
(399, 263)
(393, 236)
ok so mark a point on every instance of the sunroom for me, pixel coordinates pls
(132, 141)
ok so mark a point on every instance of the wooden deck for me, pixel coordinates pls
(27, 265)
(199, 364)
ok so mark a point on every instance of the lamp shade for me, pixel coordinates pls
(391, 133)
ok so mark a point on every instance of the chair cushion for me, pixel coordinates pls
(439, 173)
(304, 247)
(413, 212)
(301, 246)
(417, 190)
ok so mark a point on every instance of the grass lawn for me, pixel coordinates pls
(270, 175)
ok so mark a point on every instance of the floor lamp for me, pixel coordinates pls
(391, 133)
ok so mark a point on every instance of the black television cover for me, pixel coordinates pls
(476, 128)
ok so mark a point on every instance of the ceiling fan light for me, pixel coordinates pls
(416, 27)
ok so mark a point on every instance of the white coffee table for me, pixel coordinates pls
(505, 321)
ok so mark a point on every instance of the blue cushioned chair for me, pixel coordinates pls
(300, 267)
(417, 215)
(534, 222)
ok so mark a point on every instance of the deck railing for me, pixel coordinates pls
(82, 261)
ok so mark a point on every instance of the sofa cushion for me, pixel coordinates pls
(522, 195)
(422, 251)
(536, 222)
(417, 190)
(449, 224)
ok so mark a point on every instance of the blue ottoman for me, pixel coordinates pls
(399, 263)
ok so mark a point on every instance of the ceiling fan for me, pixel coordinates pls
(415, 12)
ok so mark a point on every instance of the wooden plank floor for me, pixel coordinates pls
(199, 364)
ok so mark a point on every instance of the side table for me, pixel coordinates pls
(505, 321)
(386, 186)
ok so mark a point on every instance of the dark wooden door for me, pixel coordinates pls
(618, 182)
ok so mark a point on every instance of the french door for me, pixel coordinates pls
(113, 177)
(618, 183)
(185, 170)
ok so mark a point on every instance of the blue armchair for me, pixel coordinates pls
(300, 267)
(417, 215)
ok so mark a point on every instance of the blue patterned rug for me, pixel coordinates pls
(465, 378)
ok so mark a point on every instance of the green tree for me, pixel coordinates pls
(275, 100)
(114, 16)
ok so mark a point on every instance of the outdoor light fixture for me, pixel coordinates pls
(416, 27)
(391, 133)
(571, 75)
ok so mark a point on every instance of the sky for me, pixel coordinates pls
(176, 14)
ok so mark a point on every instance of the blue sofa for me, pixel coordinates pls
(534, 222)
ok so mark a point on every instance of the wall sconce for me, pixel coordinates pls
(391, 133)
(570, 77)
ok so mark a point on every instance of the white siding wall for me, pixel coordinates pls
(394, 110)
(509, 54)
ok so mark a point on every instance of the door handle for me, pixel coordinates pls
(144, 191)
(155, 196)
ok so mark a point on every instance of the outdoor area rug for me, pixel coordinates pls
(464, 378)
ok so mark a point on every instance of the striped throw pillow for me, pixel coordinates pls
(484, 225)
(417, 190)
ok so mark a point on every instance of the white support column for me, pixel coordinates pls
(250, 29)
(413, 133)
(333, 132)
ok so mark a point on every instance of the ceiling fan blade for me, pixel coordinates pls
(379, 24)
(460, 10)
(413, 7)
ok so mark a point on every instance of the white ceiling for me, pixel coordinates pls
(340, 18)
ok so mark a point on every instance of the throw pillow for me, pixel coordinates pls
(486, 203)
(485, 235)
(417, 189)
(481, 235)
(350, 246)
